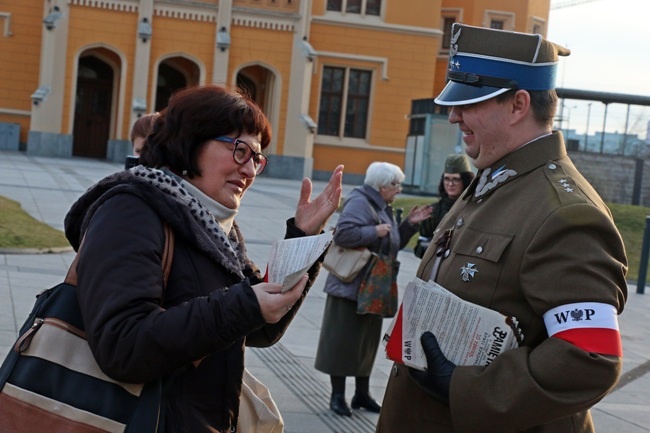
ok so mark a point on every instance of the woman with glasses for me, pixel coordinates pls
(348, 341)
(204, 152)
(457, 176)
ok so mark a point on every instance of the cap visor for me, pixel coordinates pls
(461, 94)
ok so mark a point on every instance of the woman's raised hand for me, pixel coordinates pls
(419, 213)
(311, 216)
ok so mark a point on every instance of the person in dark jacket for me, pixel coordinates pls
(456, 177)
(203, 154)
(348, 341)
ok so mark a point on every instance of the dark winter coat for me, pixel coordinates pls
(193, 332)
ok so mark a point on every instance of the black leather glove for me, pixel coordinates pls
(436, 379)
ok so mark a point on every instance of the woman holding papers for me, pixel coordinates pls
(349, 341)
(204, 152)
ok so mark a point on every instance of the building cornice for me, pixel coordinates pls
(196, 11)
(376, 25)
(116, 5)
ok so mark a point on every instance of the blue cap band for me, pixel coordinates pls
(529, 76)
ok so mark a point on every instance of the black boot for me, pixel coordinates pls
(366, 402)
(339, 406)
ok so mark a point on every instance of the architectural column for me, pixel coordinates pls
(222, 43)
(297, 160)
(142, 61)
(46, 136)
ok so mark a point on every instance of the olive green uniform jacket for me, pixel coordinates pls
(535, 237)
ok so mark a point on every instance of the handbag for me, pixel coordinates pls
(378, 289)
(346, 263)
(51, 382)
(258, 412)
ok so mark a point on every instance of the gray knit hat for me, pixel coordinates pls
(484, 63)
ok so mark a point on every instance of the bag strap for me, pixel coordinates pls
(380, 240)
(168, 256)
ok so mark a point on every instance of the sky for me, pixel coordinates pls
(610, 52)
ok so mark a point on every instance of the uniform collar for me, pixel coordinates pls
(524, 159)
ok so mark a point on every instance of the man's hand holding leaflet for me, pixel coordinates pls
(468, 334)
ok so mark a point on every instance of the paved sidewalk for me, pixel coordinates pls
(46, 188)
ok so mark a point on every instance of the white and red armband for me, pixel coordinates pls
(591, 326)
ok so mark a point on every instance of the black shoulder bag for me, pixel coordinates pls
(50, 381)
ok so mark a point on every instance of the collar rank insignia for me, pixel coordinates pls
(467, 272)
(566, 185)
(488, 182)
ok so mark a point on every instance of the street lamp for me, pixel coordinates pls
(587, 128)
(568, 120)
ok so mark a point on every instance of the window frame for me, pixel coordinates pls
(448, 14)
(508, 19)
(362, 13)
(537, 22)
(345, 98)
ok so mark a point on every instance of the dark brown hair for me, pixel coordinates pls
(142, 126)
(194, 116)
(543, 103)
(466, 177)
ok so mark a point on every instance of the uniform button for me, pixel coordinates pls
(446, 254)
(479, 250)
(460, 222)
(395, 371)
(552, 166)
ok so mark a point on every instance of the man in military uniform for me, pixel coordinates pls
(529, 238)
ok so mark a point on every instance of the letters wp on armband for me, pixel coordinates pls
(591, 326)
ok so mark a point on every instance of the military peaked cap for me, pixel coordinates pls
(484, 63)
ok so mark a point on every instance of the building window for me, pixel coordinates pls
(446, 30)
(362, 7)
(496, 24)
(537, 26)
(344, 102)
(500, 20)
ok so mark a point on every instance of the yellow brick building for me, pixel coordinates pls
(335, 77)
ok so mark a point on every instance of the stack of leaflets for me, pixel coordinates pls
(291, 258)
(468, 334)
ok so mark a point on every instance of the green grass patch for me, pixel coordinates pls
(629, 219)
(19, 230)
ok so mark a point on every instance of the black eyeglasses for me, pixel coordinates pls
(452, 180)
(243, 152)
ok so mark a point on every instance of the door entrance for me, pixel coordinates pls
(92, 108)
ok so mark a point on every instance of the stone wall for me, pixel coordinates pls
(614, 176)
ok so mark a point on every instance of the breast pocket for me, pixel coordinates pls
(476, 262)
(482, 245)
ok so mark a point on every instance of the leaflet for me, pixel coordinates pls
(291, 258)
(468, 334)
